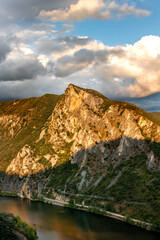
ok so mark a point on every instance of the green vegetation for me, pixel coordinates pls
(110, 207)
(71, 203)
(42, 148)
(135, 194)
(155, 147)
(118, 123)
(61, 174)
(9, 223)
(13, 194)
(32, 114)
(45, 163)
(69, 134)
(138, 185)
(156, 115)
(65, 155)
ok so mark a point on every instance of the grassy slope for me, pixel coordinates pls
(156, 115)
(41, 109)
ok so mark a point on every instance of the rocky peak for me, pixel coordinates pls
(87, 120)
(71, 88)
(76, 97)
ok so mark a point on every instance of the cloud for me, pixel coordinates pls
(61, 44)
(96, 9)
(117, 71)
(24, 89)
(43, 27)
(4, 49)
(150, 103)
(51, 29)
(125, 9)
(22, 10)
(67, 65)
(20, 69)
(140, 63)
(130, 70)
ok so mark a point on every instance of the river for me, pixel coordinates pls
(58, 223)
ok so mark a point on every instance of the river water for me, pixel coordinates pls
(58, 223)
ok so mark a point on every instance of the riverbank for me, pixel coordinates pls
(12, 227)
(54, 222)
(92, 209)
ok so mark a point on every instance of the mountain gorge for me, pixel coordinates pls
(83, 147)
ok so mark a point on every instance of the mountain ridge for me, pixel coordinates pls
(81, 143)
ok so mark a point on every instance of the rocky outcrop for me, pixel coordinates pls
(10, 125)
(86, 145)
(24, 164)
(116, 133)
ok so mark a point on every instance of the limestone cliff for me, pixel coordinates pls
(80, 118)
(84, 146)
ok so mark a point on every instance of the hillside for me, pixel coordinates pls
(21, 122)
(13, 228)
(156, 115)
(84, 148)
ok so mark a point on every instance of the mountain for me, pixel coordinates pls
(82, 148)
(156, 115)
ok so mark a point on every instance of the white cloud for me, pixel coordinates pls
(140, 63)
(125, 9)
(130, 70)
(121, 71)
(96, 9)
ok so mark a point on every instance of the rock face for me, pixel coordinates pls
(24, 163)
(118, 132)
(82, 144)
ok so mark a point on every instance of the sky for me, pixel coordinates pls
(112, 46)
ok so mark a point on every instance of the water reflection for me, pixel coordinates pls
(57, 223)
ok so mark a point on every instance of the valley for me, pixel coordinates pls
(82, 148)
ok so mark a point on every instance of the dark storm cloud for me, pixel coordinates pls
(4, 50)
(62, 43)
(67, 64)
(24, 89)
(81, 59)
(20, 69)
